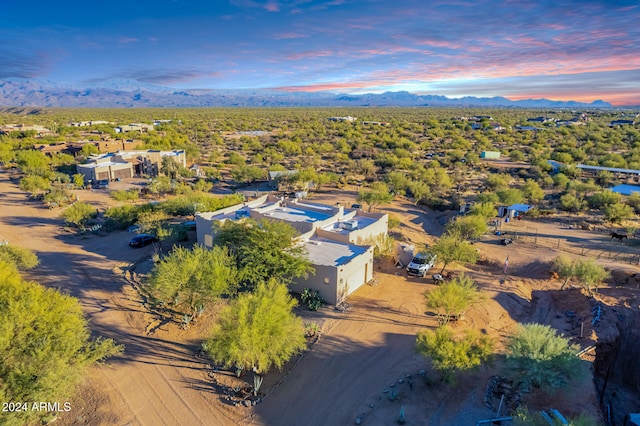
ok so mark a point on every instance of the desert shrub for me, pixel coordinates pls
(45, 345)
(449, 353)
(79, 213)
(312, 299)
(538, 357)
(452, 299)
(130, 195)
(22, 258)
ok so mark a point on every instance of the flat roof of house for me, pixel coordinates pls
(330, 253)
(292, 213)
(336, 227)
(608, 169)
(105, 164)
(625, 189)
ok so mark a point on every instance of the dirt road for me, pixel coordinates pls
(155, 381)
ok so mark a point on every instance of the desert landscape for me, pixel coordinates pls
(360, 354)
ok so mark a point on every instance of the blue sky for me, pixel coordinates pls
(565, 50)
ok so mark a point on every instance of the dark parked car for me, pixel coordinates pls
(142, 240)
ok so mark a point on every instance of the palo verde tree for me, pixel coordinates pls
(78, 214)
(450, 353)
(587, 273)
(45, 345)
(263, 250)
(23, 259)
(257, 330)
(379, 193)
(452, 248)
(190, 280)
(452, 299)
(538, 357)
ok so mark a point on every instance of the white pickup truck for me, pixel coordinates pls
(421, 263)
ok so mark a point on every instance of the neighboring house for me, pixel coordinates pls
(347, 118)
(126, 164)
(540, 120)
(118, 145)
(622, 123)
(336, 240)
(490, 155)
(526, 128)
(40, 130)
(134, 127)
(513, 210)
(106, 167)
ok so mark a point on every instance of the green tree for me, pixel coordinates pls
(589, 274)
(190, 280)
(617, 213)
(419, 191)
(45, 345)
(498, 182)
(257, 330)
(570, 202)
(169, 168)
(263, 250)
(78, 214)
(35, 185)
(451, 248)
(452, 299)
(469, 227)
(89, 149)
(22, 258)
(510, 196)
(378, 194)
(564, 267)
(538, 357)
(450, 354)
(532, 191)
(484, 210)
(247, 174)
(603, 199)
(78, 180)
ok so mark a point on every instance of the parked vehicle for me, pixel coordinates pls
(506, 241)
(142, 240)
(421, 263)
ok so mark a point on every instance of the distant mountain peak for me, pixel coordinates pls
(117, 92)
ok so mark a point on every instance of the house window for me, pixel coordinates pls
(326, 280)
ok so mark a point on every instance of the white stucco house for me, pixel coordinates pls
(336, 239)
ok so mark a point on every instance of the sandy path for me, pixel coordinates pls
(155, 381)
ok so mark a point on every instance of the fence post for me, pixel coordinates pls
(558, 243)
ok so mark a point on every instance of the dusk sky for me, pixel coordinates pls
(562, 50)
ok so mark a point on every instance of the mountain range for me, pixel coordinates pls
(121, 93)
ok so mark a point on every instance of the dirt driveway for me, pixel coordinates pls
(155, 381)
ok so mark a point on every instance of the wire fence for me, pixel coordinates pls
(598, 244)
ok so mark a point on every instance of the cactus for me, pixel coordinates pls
(393, 395)
(401, 416)
(257, 382)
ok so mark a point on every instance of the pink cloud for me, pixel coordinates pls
(287, 36)
(272, 7)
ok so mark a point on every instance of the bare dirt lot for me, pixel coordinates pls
(363, 356)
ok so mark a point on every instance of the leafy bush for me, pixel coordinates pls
(452, 299)
(312, 298)
(449, 353)
(79, 213)
(130, 195)
(257, 330)
(45, 345)
(21, 257)
(537, 356)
